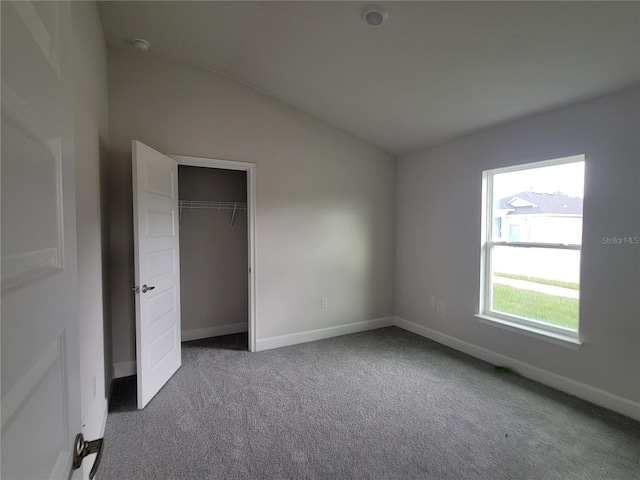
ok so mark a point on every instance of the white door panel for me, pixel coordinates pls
(157, 267)
(41, 411)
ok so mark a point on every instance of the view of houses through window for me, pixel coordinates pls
(531, 249)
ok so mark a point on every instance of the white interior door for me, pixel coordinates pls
(157, 269)
(41, 411)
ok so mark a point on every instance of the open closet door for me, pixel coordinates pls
(157, 269)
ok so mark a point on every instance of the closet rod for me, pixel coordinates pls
(204, 204)
(215, 205)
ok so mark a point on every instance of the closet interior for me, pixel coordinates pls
(213, 251)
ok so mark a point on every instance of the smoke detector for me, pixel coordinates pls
(141, 44)
(374, 15)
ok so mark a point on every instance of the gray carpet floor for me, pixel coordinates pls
(383, 404)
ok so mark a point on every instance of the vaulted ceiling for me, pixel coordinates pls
(433, 71)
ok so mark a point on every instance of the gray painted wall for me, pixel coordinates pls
(91, 137)
(324, 214)
(438, 237)
(213, 254)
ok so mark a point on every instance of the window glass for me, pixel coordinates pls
(531, 253)
(539, 204)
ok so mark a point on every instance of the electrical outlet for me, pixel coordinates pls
(324, 303)
(440, 306)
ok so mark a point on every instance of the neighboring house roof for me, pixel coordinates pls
(531, 203)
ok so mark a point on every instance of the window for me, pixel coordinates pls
(531, 242)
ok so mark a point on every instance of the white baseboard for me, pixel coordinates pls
(124, 369)
(592, 394)
(229, 329)
(321, 333)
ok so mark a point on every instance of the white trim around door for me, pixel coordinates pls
(250, 168)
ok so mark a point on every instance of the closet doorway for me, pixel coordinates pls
(217, 248)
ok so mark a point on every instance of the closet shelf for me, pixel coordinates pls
(203, 204)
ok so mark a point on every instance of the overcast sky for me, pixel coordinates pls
(567, 178)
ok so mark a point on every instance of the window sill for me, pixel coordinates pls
(551, 337)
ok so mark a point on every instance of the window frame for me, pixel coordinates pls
(536, 328)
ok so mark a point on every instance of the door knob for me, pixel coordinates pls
(83, 448)
(145, 289)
